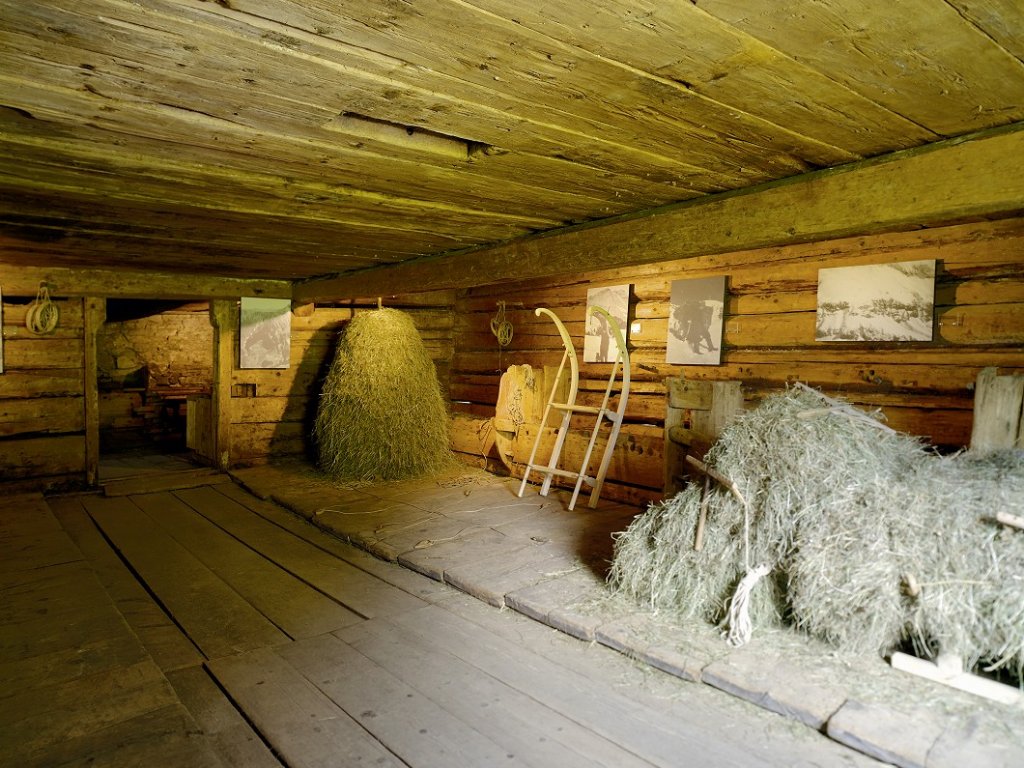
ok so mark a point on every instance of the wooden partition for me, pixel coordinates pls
(42, 404)
(272, 411)
(923, 388)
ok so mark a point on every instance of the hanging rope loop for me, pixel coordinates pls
(42, 315)
(501, 327)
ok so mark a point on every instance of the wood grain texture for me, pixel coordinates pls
(286, 140)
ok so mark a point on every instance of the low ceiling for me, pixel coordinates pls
(297, 139)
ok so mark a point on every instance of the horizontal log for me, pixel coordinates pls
(252, 410)
(262, 441)
(636, 459)
(43, 382)
(53, 415)
(70, 318)
(38, 457)
(43, 352)
(971, 177)
(67, 281)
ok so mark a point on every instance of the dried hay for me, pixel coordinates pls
(845, 510)
(381, 415)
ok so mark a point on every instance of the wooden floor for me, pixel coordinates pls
(200, 626)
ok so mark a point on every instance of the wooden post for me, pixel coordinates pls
(224, 317)
(997, 411)
(95, 314)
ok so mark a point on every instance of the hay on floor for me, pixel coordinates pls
(381, 415)
(845, 510)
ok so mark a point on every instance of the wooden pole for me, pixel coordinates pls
(94, 311)
(223, 316)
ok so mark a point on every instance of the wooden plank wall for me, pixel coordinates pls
(42, 407)
(922, 388)
(273, 411)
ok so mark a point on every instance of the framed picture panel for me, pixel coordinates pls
(265, 333)
(695, 321)
(876, 302)
(599, 342)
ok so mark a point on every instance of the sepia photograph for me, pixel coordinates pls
(265, 334)
(876, 302)
(695, 321)
(599, 341)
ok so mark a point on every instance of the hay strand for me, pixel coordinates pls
(381, 415)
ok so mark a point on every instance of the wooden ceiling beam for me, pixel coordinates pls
(977, 176)
(69, 282)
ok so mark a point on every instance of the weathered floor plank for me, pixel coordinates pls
(168, 646)
(653, 733)
(357, 590)
(214, 616)
(302, 724)
(418, 729)
(534, 733)
(230, 737)
(411, 583)
(725, 722)
(291, 604)
(76, 685)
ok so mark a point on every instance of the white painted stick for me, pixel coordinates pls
(1014, 521)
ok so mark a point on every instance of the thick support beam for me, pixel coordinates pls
(63, 281)
(956, 180)
(224, 318)
(95, 313)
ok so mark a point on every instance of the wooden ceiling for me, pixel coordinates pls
(292, 139)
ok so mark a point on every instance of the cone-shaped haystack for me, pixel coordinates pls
(381, 415)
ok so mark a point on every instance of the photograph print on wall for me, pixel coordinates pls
(695, 321)
(599, 341)
(265, 336)
(876, 302)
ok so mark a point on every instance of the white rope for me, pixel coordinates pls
(738, 619)
(740, 628)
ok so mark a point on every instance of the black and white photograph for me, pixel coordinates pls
(265, 335)
(695, 321)
(876, 302)
(599, 341)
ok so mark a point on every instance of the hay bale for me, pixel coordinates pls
(844, 508)
(971, 569)
(381, 415)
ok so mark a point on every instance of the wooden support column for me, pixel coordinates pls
(95, 314)
(224, 317)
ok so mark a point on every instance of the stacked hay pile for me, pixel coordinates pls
(847, 512)
(381, 415)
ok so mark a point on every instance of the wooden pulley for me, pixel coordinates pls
(42, 315)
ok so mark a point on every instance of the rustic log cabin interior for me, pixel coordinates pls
(466, 162)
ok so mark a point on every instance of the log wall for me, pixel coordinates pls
(42, 407)
(923, 388)
(273, 411)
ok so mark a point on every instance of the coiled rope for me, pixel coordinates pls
(42, 315)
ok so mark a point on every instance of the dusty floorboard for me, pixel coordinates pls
(220, 628)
